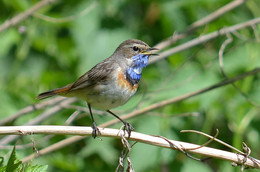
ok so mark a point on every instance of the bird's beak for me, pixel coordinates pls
(148, 51)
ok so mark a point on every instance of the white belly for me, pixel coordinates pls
(109, 96)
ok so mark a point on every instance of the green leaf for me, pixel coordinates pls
(13, 164)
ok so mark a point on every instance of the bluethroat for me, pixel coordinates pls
(112, 82)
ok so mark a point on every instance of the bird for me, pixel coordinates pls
(110, 83)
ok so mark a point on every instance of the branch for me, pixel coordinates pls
(183, 97)
(205, 38)
(205, 20)
(71, 140)
(135, 136)
(38, 119)
(19, 18)
(68, 18)
(216, 14)
(221, 65)
(31, 108)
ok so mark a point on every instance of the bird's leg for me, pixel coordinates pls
(95, 131)
(128, 126)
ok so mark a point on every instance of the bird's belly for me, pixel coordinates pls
(109, 96)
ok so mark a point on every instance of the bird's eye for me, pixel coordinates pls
(135, 48)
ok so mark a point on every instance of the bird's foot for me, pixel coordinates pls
(95, 131)
(128, 128)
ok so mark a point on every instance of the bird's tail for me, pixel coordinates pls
(58, 91)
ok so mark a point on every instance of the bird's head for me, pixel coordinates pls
(135, 54)
(132, 47)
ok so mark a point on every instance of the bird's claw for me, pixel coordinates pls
(128, 128)
(95, 131)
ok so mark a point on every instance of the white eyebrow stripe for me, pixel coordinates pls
(137, 45)
(128, 46)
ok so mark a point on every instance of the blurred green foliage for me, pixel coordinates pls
(15, 165)
(38, 55)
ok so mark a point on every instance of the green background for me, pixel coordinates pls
(49, 55)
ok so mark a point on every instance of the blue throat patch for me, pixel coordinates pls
(134, 73)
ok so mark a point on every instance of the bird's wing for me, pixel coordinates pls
(99, 73)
